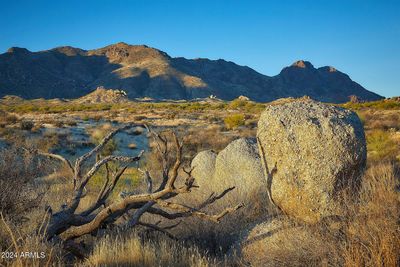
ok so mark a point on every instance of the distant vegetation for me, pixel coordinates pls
(380, 104)
(234, 121)
(43, 106)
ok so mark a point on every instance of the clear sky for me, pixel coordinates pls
(360, 38)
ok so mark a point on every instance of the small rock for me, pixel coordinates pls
(132, 146)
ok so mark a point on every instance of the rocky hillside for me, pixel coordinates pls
(102, 95)
(141, 71)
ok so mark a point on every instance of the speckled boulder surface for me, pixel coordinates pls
(203, 170)
(239, 166)
(319, 152)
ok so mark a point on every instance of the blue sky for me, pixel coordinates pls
(360, 38)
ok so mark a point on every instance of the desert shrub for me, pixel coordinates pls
(255, 108)
(15, 136)
(96, 135)
(96, 117)
(188, 106)
(11, 119)
(214, 119)
(380, 145)
(18, 192)
(219, 106)
(171, 115)
(50, 139)
(85, 117)
(13, 176)
(139, 117)
(246, 106)
(234, 121)
(70, 122)
(27, 125)
(237, 103)
(383, 121)
(195, 142)
(8, 119)
(129, 180)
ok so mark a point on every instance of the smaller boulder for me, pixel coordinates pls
(203, 165)
(238, 166)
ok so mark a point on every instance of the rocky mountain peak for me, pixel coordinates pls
(18, 50)
(69, 50)
(124, 52)
(302, 64)
(328, 69)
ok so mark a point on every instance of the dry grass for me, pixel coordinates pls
(373, 232)
(29, 250)
(131, 250)
(381, 146)
(368, 236)
(380, 119)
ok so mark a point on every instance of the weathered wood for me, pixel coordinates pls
(68, 225)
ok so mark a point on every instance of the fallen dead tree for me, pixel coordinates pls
(67, 224)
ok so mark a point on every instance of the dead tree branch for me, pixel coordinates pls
(68, 224)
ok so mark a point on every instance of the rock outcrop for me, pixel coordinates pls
(315, 152)
(102, 95)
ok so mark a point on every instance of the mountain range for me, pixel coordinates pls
(142, 71)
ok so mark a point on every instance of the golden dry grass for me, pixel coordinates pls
(128, 249)
(368, 236)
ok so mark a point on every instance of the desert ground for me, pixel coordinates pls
(202, 191)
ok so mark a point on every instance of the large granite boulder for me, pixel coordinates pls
(315, 153)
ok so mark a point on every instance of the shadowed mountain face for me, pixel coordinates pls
(141, 71)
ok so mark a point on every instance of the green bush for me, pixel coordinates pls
(97, 136)
(234, 121)
(237, 104)
(27, 125)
